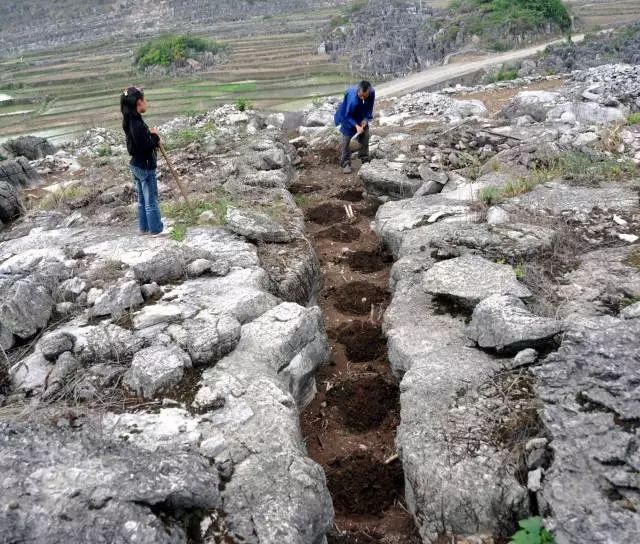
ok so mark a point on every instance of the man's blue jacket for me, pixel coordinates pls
(352, 110)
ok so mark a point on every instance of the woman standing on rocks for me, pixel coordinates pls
(142, 145)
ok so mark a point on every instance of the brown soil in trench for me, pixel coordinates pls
(350, 426)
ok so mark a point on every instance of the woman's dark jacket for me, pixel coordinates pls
(141, 144)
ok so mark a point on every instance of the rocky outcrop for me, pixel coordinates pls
(30, 147)
(590, 412)
(181, 356)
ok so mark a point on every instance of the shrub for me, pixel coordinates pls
(505, 74)
(243, 104)
(166, 50)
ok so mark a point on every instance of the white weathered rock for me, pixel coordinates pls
(207, 337)
(118, 298)
(255, 226)
(31, 374)
(503, 322)
(54, 343)
(155, 368)
(471, 278)
(199, 267)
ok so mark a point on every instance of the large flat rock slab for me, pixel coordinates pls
(394, 219)
(471, 278)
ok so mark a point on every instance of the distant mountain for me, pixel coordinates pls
(37, 24)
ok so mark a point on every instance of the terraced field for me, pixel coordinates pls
(605, 13)
(273, 63)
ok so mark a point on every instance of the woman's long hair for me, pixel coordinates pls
(128, 105)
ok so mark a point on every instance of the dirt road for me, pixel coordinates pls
(441, 74)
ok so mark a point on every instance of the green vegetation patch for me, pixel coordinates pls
(515, 16)
(505, 74)
(634, 119)
(532, 531)
(168, 49)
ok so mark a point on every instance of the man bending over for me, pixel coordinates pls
(353, 115)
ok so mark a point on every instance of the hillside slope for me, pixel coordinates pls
(30, 24)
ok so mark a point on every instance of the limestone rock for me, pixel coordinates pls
(30, 147)
(504, 323)
(395, 219)
(256, 226)
(118, 298)
(85, 485)
(589, 390)
(155, 368)
(207, 337)
(25, 304)
(18, 173)
(381, 181)
(471, 278)
(53, 344)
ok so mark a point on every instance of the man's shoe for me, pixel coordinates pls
(346, 169)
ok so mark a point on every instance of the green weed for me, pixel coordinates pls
(532, 531)
(183, 214)
(634, 119)
(178, 232)
(491, 196)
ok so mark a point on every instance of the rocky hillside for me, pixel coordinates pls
(386, 39)
(619, 45)
(151, 388)
(31, 24)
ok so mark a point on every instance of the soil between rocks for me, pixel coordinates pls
(362, 484)
(363, 402)
(358, 297)
(326, 213)
(363, 341)
(350, 426)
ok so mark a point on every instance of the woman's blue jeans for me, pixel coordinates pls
(148, 208)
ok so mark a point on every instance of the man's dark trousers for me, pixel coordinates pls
(363, 140)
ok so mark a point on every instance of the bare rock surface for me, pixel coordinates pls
(87, 488)
(472, 278)
(504, 323)
(590, 408)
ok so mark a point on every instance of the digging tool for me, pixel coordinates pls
(176, 178)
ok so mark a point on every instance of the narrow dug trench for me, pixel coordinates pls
(350, 426)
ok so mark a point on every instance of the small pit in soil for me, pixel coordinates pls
(304, 188)
(367, 261)
(364, 401)
(340, 233)
(326, 214)
(363, 341)
(351, 195)
(357, 297)
(362, 484)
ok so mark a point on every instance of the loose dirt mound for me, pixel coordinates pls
(339, 233)
(326, 214)
(368, 261)
(363, 341)
(361, 484)
(357, 297)
(364, 401)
